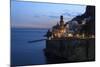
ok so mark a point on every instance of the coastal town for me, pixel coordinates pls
(63, 30)
(73, 42)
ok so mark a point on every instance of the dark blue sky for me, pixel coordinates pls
(41, 15)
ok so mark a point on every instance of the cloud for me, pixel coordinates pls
(54, 17)
(36, 16)
(71, 14)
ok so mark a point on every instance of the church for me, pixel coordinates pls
(61, 29)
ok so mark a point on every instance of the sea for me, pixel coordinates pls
(25, 53)
(27, 47)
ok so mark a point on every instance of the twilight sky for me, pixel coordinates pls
(41, 15)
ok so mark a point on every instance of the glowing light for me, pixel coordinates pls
(83, 35)
(59, 35)
(93, 36)
(77, 35)
(70, 35)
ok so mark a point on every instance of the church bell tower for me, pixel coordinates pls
(61, 21)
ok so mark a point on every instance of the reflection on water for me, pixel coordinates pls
(24, 53)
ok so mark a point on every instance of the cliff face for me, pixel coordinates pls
(70, 50)
(89, 27)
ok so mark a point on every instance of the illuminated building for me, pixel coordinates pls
(60, 29)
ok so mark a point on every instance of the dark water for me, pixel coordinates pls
(24, 53)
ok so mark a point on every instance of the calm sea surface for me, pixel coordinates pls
(24, 53)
